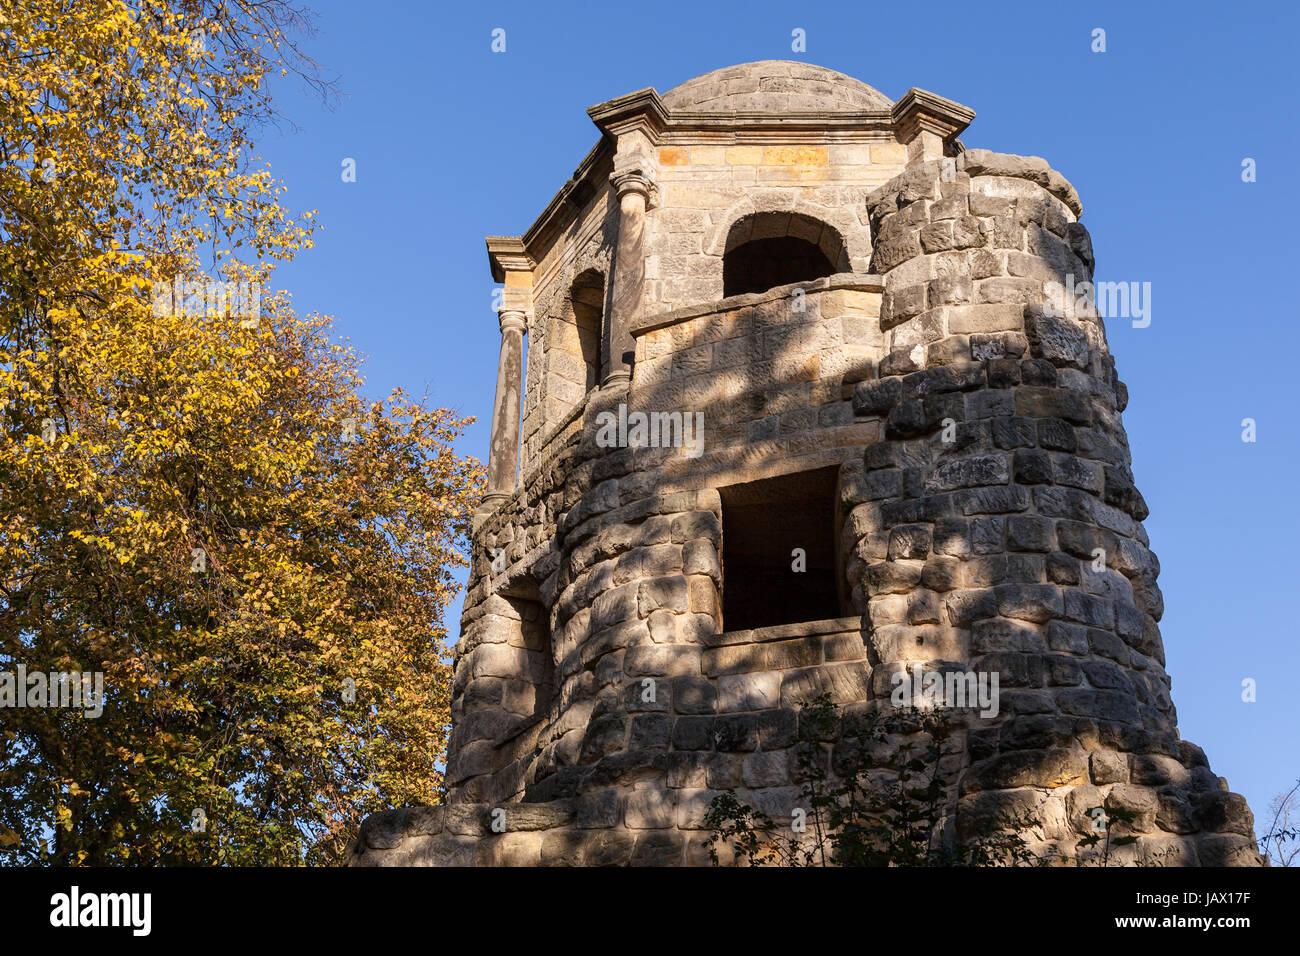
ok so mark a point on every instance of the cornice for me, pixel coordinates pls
(643, 111)
(508, 254)
(922, 110)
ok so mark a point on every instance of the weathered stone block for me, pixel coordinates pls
(650, 809)
(748, 692)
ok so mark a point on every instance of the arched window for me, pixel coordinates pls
(588, 299)
(765, 250)
(574, 343)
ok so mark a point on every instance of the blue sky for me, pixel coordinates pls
(453, 142)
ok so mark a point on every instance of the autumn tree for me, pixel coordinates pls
(195, 497)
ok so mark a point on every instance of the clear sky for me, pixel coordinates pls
(453, 142)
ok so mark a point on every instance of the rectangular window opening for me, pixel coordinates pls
(530, 693)
(779, 551)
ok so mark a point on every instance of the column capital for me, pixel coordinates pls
(512, 320)
(637, 180)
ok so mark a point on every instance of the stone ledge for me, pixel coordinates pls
(785, 632)
(864, 282)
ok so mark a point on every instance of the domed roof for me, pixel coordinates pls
(777, 86)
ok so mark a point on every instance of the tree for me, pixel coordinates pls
(1281, 844)
(195, 499)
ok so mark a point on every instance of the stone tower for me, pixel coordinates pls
(804, 409)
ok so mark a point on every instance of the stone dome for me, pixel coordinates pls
(778, 86)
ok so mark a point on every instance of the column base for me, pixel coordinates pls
(488, 506)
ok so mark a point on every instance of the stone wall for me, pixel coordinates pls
(706, 190)
(620, 546)
(551, 391)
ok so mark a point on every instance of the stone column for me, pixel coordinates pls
(634, 188)
(503, 456)
(512, 266)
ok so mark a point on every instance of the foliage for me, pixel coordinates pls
(1101, 833)
(181, 506)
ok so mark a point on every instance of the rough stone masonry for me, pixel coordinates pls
(857, 304)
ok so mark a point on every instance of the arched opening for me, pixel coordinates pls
(588, 298)
(574, 347)
(765, 250)
(763, 264)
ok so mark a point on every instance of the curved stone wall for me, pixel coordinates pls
(1001, 528)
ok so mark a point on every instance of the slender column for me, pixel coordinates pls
(503, 456)
(634, 188)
